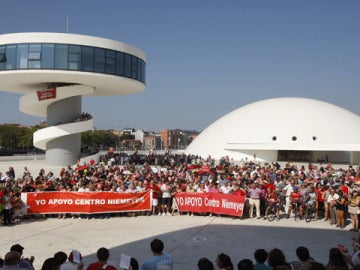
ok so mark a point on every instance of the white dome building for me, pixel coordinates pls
(284, 129)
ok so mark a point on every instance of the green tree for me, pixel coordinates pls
(96, 138)
(13, 136)
(9, 136)
(124, 137)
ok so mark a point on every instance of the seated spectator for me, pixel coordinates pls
(205, 264)
(261, 256)
(317, 266)
(55, 262)
(103, 255)
(159, 260)
(305, 260)
(25, 263)
(224, 262)
(134, 265)
(276, 259)
(12, 260)
(336, 260)
(72, 264)
(245, 264)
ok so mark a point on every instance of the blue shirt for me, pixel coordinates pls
(163, 262)
(262, 266)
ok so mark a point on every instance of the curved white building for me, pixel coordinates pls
(294, 129)
(54, 71)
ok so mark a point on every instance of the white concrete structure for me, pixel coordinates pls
(296, 129)
(54, 70)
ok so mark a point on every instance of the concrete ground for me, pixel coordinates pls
(186, 238)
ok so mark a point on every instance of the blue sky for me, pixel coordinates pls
(207, 58)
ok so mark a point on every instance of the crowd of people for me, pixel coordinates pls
(334, 193)
(84, 116)
(340, 258)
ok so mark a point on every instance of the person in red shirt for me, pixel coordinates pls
(320, 200)
(270, 187)
(238, 191)
(156, 194)
(273, 198)
(295, 200)
(344, 188)
(103, 255)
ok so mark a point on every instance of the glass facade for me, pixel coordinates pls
(71, 57)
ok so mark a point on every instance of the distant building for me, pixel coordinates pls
(139, 135)
(128, 131)
(170, 138)
(152, 141)
(131, 144)
(166, 139)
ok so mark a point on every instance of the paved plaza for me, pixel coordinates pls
(186, 238)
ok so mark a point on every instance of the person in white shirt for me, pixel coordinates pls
(74, 259)
(288, 190)
(166, 197)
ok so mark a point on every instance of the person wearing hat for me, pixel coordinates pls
(25, 263)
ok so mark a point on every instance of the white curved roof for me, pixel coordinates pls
(273, 124)
(66, 38)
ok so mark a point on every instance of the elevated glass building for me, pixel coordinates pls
(71, 57)
(54, 71)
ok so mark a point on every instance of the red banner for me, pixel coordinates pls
(86, 202)
(216, 203)
(46, 93)
(205, 169)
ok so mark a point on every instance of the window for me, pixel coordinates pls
(34, 56)
(34, 52)
(22, 56)
(294, 138)
(3, 59)
(134, 67)
(119, 64)
(74, 57)
(99, 60)
(110, 62)
(48, 55)
(127, 61)
(87, 58)
(61, 56)
(143, 71)
(71, 57)
(11, 57)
